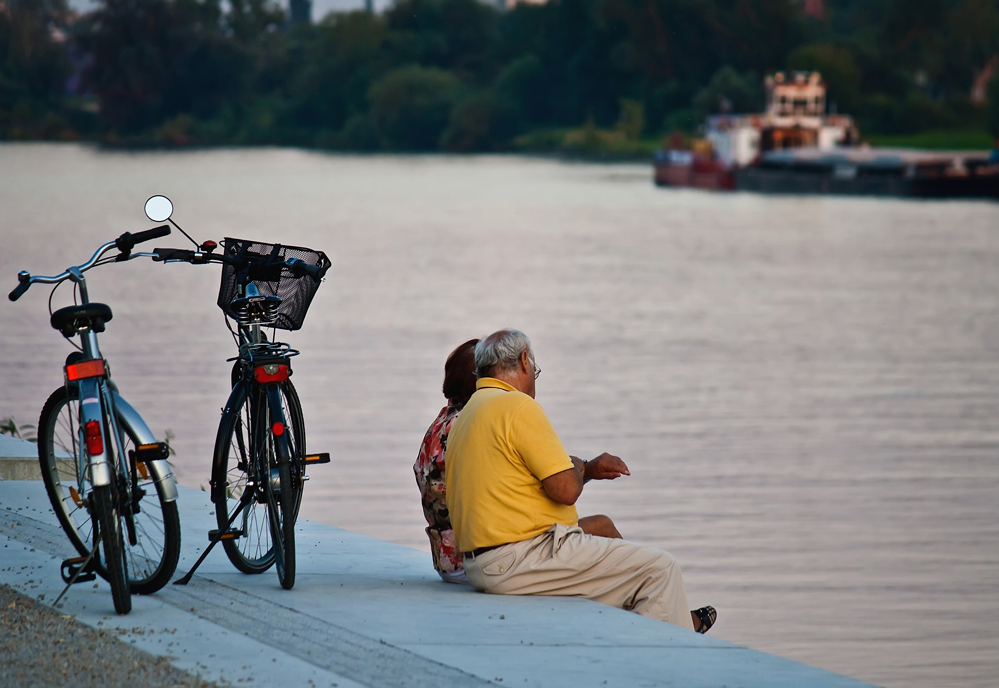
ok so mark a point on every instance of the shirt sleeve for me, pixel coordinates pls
(537, 442)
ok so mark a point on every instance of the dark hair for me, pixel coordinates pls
(459, 374)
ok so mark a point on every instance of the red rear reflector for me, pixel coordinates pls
(278, 429)
(85, 369)
(95, 442)
(272, 372)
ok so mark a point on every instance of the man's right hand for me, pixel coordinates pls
(605, 467)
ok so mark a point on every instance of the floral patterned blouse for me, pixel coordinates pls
(429, 468)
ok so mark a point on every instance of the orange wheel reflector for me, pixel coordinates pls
(76, 496)
(278, 429)
(85, 369)
(143, 471)
(95, 441)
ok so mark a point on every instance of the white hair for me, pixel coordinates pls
(501, 351)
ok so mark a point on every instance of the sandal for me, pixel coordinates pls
(707, 616)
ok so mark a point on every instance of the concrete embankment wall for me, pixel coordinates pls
(370, 613)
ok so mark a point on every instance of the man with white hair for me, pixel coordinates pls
(512, 490)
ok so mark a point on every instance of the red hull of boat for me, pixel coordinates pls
(697, 175)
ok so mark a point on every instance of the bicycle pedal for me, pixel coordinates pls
(70, 567)
(318, 458)
(154, 451)
(228, 535)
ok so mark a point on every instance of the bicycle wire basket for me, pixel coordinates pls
(296, 292)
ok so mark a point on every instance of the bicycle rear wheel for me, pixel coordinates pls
(103, 504)
(63, 462)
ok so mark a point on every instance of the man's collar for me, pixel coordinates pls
(492, 382)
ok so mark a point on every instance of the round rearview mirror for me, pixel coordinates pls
(159, 208)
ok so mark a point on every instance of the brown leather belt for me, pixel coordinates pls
(478, 552)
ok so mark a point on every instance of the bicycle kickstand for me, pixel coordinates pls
(218, 536)
(83, 566)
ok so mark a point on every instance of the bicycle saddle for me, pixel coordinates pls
(73, 319)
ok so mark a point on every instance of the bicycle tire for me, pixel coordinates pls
(105, 510)
(293, 413)
(233, 468)
(283, 527)
(153, 560)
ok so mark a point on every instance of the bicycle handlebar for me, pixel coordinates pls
(27, 279)
(298, 267)
(124, 243)
(127, 241)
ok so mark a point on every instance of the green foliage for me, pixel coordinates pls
(482, 121)
(168, 437)
(410, 106)
(683, 120)
(729, 91)
(973, 139)
(460, 75)
(521, 83)
(21, 432)
(34, 66)
(631, 122)
(993, 107)
(838, 68)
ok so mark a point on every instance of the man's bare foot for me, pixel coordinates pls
(601, 526)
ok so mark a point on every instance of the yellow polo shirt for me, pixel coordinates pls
(498, 451)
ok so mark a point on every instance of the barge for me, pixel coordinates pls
(795, 147)
(872, 171)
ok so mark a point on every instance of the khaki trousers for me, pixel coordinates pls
(566, 561)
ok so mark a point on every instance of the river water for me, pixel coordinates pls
(806, 389)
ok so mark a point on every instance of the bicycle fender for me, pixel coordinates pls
(163, 477)
(277, 414)
(162, 473)
(91, 410)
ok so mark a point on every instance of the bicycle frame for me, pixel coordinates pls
(96, 393)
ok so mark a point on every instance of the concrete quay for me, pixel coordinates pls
(370, 613)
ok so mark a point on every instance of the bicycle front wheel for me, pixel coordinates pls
(104, 506)
(153, 557)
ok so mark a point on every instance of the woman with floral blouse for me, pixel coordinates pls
(459, 385)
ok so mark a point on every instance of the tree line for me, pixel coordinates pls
(460, 75)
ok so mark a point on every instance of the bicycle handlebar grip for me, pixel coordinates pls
(300, 269)
(154, 233)
(128, 240)
(19, 291)
(173, 254)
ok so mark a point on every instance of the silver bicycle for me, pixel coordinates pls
(106, 474)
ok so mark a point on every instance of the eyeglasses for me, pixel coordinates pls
(537, 370)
